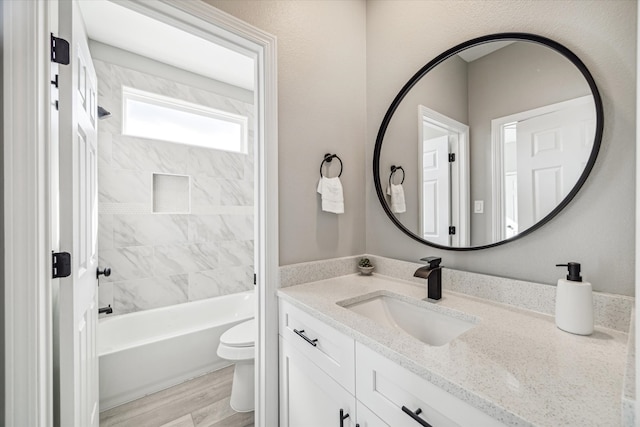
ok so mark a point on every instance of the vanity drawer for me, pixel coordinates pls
(387, 387)
(329, 349)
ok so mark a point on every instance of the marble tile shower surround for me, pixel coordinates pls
(160, 259)
(610, 311)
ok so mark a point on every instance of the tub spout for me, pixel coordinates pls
(105, 310)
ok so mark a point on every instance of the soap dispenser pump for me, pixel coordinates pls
(574, 302)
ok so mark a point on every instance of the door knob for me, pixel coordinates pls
(106, 272)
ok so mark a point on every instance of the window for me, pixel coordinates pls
(153, 116)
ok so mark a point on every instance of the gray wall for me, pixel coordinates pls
(516, 78)
(331, 52)
(597, 228)
(200, 250)
(321, 109)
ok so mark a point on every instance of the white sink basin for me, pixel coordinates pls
(428, 325)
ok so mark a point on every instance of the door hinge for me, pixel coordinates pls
(452, 230)
(59, 50)
(60, 264)
(255, 279)
(452, 157)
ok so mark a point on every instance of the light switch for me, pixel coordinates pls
(478, 206)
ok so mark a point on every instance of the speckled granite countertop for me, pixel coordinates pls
(515, 365)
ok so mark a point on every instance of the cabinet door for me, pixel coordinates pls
(308, 396)
(366, 418)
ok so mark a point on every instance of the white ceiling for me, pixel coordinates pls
(481, 50)
(123, 28)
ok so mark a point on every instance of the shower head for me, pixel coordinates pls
(102, 113)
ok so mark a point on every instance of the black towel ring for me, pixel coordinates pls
(328, 158)
(395, 169)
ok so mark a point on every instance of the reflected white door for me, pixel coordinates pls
(435, 188)
(77, 306)
(552, 151)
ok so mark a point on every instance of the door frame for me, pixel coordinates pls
(28, 217)
(497, 158)
(460, 186)
(27, 244)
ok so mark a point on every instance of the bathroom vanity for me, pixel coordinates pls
(369, 351)
(340, 366)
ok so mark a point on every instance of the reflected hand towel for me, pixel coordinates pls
(397, 198)
(332, 197)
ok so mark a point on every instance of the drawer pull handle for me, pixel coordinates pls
(415, 416)
(343, 417)
(306, 338)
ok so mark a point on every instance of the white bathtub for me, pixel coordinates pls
(147, 351)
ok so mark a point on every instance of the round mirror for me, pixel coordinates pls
(488, 141)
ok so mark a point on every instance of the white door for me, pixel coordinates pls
(552, 151)
(77, 306)
(435, 189)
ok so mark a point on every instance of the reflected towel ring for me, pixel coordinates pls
(328, 158)
(395, 169)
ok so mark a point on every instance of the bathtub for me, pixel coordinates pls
(147, 351)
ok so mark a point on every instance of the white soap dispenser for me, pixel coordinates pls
(574, 302)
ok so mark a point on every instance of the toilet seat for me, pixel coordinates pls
(237, 343)
(241, 335)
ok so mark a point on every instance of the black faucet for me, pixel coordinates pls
(106, 310)
(433, 274)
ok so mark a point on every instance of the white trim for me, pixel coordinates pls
(460, 187)
(637, 269)
(497, 181)
(27, 282)
(497, 157)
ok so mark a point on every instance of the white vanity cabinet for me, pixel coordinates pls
(308, 396)
(317, 372)
(324, 372)
(366, 418)
(331, 350)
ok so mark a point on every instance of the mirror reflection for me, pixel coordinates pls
(490, 141)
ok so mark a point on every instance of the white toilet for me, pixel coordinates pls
(237, 344)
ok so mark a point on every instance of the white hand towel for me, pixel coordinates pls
(397, 198)
(332, 197)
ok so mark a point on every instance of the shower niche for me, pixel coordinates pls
(171, 193)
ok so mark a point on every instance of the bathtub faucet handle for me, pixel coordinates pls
(106, 272)
(105, 310)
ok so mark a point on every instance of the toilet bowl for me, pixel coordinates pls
(237, 345)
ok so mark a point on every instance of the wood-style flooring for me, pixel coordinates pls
(200, 402)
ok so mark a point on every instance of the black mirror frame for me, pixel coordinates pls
(451, 52)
